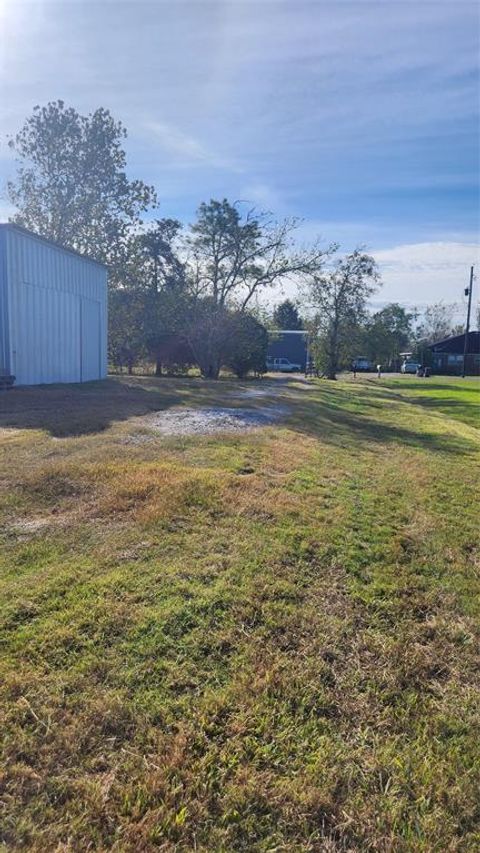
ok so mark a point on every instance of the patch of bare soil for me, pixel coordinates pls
(26, 528)
(245, 393)
(30, 526)
(211, 420)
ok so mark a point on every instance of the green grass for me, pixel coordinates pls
(457, 398)
(264, 641)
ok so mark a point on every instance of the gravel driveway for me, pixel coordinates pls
(206, 421)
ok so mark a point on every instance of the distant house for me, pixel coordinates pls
(286, 343)
(447, 355)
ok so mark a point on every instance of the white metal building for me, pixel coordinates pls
(53, 311)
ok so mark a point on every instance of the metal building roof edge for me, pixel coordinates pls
(22, 230)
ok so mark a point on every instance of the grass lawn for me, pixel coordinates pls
(264, 641)
(457, 398)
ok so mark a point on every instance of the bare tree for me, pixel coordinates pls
(438, 322)
(232, 258)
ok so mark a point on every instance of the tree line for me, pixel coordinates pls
(182, 296)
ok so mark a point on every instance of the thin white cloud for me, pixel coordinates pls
(263, 196)
(186, 150)
(420, 274)
(427, 272)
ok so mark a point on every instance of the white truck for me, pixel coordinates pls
(283, 365)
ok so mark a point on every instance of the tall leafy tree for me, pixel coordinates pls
(127, 318)
(209, 332)
(248, 345)
(338, 297)
(71, 184)
(387, 333)
(153, 276)
(286, 316)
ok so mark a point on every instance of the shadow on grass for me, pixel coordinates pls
(467, 411)
(455, 385)
(460, 410)
(92, 407)
(457, 398)
(341, 416)
(348, 418)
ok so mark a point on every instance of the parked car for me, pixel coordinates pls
(410, 367)
(361, 363)
(284, 365)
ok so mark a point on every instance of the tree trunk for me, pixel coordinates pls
(211, 372)
(158, 367)
(332, 354)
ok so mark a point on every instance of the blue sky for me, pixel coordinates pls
(359, 117)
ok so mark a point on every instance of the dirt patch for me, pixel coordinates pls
(245, 393)
(212, 420)
(30, 526)
(27, 528)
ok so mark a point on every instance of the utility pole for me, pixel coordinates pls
(468, 292)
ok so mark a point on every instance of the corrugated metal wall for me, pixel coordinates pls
(57, 312)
